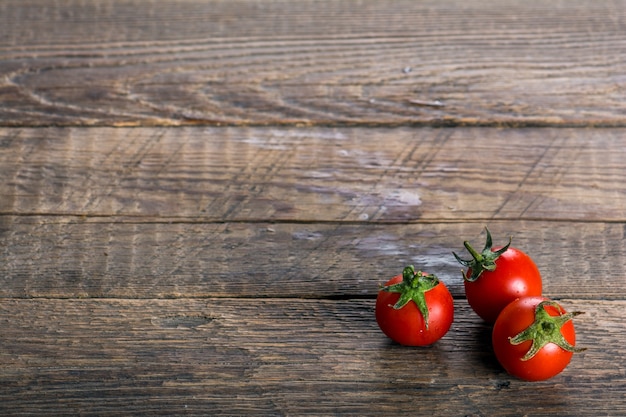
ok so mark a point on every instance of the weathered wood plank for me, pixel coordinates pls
(318, 174)
(232, 270)
(73, 257)
(136, 62)
(282, 357)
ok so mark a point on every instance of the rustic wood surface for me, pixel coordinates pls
(140, 62)
(199, 199)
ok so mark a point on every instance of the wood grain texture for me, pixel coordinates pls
(139, 63)
(68, 258)
(315, 174)
(281, 357)
(199, 199)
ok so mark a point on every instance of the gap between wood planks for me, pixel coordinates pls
(338, 298)
(437, 123)
(142, 219)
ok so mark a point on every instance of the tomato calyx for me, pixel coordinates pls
(546, 329)
(413, 288)
(483, 261)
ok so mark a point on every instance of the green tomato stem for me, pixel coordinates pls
(413, 288)
(483, 261)
(545, 329)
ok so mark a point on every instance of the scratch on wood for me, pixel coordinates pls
(427, 103)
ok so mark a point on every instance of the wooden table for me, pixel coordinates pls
(199, 199)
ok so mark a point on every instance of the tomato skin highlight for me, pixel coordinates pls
(406, 325)
(549, 361)
(515, 276)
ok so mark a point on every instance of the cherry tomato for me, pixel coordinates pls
(497, 276)
(534, 338)
(414, 308)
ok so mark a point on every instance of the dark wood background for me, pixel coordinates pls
(199, 199)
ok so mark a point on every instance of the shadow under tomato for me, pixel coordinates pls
(487, 357)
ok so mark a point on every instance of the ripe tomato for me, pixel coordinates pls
(414, 308)
(497, 276)
(534, 338)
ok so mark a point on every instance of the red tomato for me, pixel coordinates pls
(534, 338)
(497, 276)
(405, 324)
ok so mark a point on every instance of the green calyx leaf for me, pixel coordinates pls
(545, 329)
(412, 288)
(483, 261)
